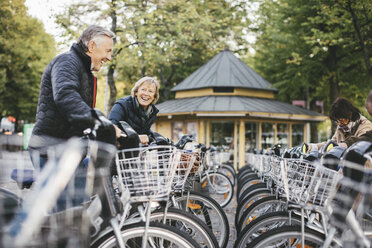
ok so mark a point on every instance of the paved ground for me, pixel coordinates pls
(230, 213)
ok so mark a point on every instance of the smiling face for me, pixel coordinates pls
(145, 94)
(99, 50)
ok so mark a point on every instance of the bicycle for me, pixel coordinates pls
(315, 198)
(101, 156)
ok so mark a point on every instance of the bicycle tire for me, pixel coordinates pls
(250, 188)
(244, 168)
(210, 212)
(248, 179)
(219, 187)
(249, 200)
(263, 224)
(228, 171)
(288, 233)
(260, 207)
(189, 224)
(157, 232)
(246, 173)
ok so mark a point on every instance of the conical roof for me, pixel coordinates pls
(224, 70)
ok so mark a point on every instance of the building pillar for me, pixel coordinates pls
(241, 143)
(236, 147)
(290, 135)
(208, 134)
(201, 132)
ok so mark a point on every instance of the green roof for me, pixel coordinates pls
(224, 70)
(210, 104)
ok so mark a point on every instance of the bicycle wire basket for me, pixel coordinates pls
(147, 172)
(322, 185)
(184, 163)
(296, 175)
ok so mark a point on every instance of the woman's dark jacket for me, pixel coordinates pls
(67, 88)
(126, 109)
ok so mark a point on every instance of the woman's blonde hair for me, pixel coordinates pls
(150, 80)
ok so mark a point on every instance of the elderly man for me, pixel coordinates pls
(68, 87)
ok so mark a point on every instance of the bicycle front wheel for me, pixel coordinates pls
(159, 236)
(189, 224)
(219, 187)
(289, 236)
(263, 224)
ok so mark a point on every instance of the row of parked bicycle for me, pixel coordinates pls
(290, 198)
(162, 195)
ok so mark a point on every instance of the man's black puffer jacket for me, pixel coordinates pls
(67, 88)
(125, 109)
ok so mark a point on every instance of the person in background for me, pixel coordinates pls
(351, 125)
(369, 103)
(138, 109)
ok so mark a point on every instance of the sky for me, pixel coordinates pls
(45, 10)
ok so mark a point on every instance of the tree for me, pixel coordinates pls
(173, 38)
(166, 39)
(313, 46)
(25, 50)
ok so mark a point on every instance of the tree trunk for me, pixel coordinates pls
(334, 88)
(360, 37)
(113, 90)
(314, 132)
(111, 71)
(165, 82)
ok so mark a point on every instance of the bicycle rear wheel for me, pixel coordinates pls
(159, 235)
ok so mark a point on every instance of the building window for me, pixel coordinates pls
(282, 134)
(222, 136)
(192, 128)
(223, 89)
(267, 135)
(297, 134)
(251, 139)
(177, 130)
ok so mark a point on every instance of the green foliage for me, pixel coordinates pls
(315, 45)
(25, 50)
(168, 39)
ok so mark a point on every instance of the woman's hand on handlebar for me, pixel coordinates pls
(144, 139)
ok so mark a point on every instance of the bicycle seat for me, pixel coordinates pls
(23, 177)
(311, 156)
(333, 156)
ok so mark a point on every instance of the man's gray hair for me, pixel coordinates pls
(93, 32)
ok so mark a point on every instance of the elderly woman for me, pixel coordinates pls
(138, 109)
(351, 125)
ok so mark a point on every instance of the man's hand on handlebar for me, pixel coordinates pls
(118, 132)
(144, 139)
